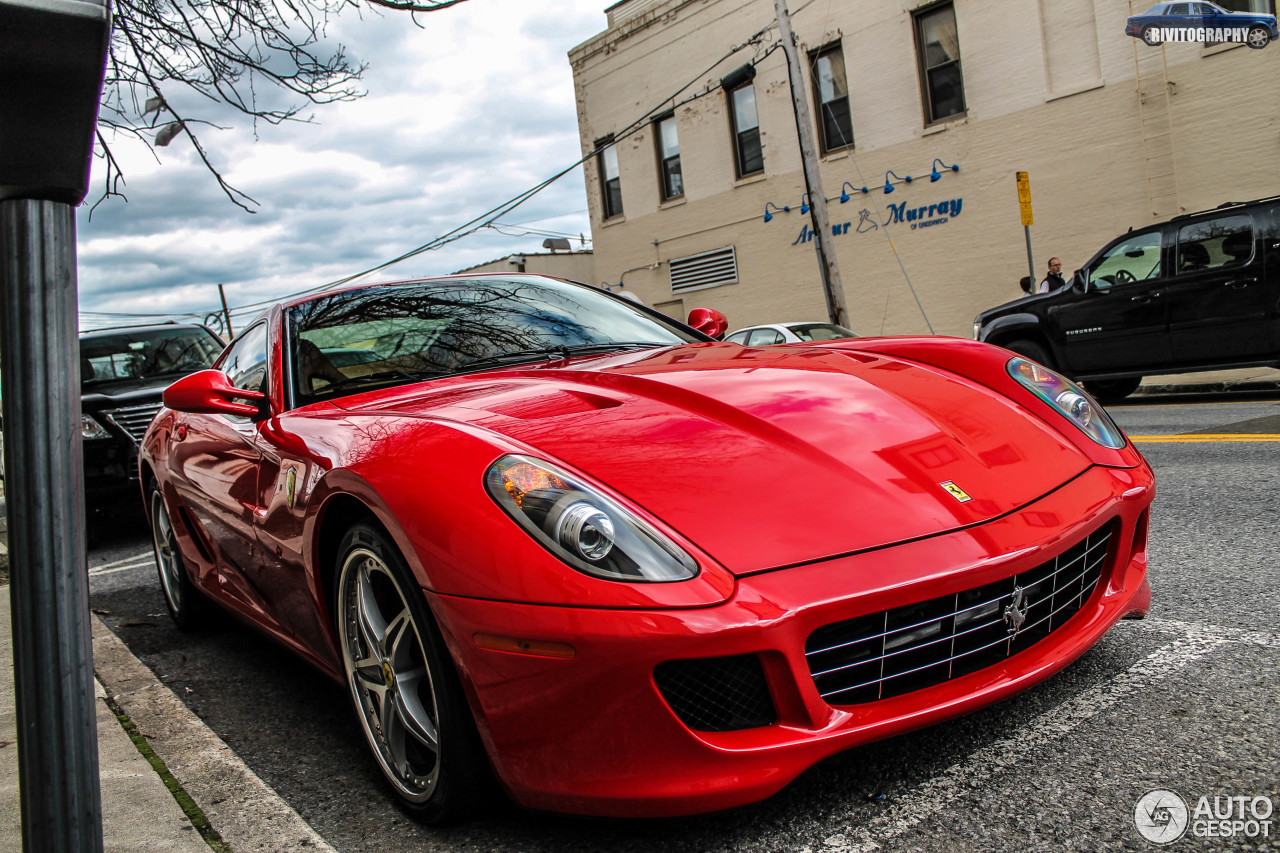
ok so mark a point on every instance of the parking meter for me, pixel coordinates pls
(52, 56)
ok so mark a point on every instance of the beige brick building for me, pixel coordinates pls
(1112, 132)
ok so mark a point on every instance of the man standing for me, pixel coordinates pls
(1054, 279)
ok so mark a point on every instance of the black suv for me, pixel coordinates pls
(1199, 292)
(123, 372)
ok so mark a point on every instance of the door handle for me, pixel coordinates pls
(1142, 300)
(1241, 283)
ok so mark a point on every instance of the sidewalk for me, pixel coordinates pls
(138, 810)
(1247, 379)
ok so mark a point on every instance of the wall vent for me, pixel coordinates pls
(707, 269)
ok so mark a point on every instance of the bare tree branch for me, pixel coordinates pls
(265, 59)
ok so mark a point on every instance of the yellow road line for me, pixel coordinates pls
(1204, 438)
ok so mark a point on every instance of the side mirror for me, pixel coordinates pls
(1078, 282)
(210, 393)
(709, 321)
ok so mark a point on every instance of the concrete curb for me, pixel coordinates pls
(1159, 389)
(245, 811)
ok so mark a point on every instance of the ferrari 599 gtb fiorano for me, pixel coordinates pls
(549, 536)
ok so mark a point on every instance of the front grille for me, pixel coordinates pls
(134, 419)
(717, 694)
(909, 648)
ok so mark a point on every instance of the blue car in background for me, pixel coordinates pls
(1261, 29)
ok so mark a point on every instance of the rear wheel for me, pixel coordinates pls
(1151, 35)
(406, 694)
(1112, 390)
(1032, 350)
(180, 595)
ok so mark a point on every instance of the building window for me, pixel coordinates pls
(747, 153)
(610, 184)
(831, 91)
(938, 46)
(669, 175)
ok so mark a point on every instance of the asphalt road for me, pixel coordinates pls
(1185, 700)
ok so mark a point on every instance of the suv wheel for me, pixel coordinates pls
(1032, 350)
(1112, 390)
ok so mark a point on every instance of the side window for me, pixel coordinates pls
(764, 337)
(938, 52)
(610, 181)
(1134, 259)
(246, 363)
(672, 178)
(1177, 9)
(737, 338)
(747, 152)
(831, 92)
(1215, 243)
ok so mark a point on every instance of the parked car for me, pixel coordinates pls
(1199, 292)
(634, 570)
(1261, 28)
(788, 333)
(123, 372)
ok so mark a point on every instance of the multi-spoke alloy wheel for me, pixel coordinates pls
(405, 693)
(1258, 38)
(184, 603)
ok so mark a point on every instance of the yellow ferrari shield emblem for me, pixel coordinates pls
(956, 492)
(291, 486)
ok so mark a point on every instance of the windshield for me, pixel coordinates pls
(353, 341)
(146, 353)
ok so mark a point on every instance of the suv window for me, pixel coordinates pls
(1214, 243)
(246, 362)
(1134, 259)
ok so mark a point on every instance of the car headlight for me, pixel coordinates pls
(1069, 399)
(91, 429)
(588, 530)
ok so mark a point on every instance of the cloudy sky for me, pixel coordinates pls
(461, 114)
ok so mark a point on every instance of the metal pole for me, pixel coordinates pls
(1031, 265)
(44, 482)
(226, 314)
(831, 285)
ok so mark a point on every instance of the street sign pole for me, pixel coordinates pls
(1024, 202)
(52, 55)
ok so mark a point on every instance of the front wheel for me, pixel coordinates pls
(401, 680)
(1258, 38)
(1112, 390)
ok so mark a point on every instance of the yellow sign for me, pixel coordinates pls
(1024, 198)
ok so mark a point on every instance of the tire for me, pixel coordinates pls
(402, 684)
(1149, 36)
(1031, 350)
(186, 604)
(1258, 38)
(1112, 390)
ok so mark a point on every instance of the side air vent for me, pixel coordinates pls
(708, 269)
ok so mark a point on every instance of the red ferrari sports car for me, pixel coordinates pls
(550, 536)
